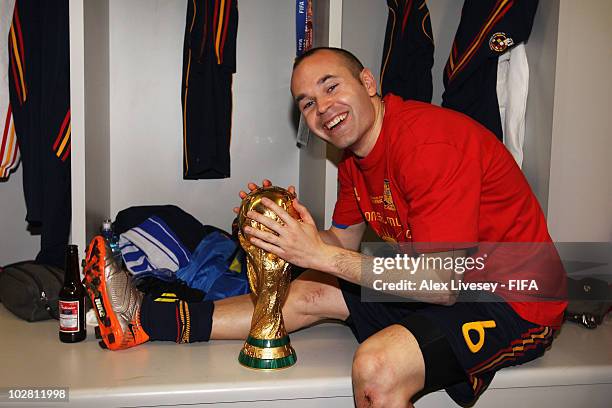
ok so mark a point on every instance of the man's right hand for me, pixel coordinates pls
(252, 187)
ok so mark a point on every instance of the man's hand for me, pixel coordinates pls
(297, 241)
(252, 187)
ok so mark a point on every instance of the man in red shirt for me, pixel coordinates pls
(432, 177)
(423, 177)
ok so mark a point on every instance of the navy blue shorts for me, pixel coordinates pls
(463, 345)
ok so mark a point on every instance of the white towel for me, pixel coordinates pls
(512, 90)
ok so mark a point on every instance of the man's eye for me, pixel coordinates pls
(307, 105)
(331, 88)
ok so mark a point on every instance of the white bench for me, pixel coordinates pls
(576, 371)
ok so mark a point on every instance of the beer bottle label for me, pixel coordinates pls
(69, 316)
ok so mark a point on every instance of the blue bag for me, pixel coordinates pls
(217, 267)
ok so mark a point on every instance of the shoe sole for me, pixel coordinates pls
(95, 281)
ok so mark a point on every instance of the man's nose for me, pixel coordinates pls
(323, 104)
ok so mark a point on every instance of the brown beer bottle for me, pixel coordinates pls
(72, 300)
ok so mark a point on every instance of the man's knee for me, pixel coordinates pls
(381, 376)
(370, 370)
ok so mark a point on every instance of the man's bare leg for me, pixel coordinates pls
(312, 297)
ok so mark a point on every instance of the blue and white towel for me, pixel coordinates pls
(152, 245)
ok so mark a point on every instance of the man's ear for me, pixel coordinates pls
(368, 81)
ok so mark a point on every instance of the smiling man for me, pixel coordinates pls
(335, 110)
(416, 174)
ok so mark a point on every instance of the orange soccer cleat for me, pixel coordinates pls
(114, 297)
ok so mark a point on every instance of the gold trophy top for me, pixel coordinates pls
(252, 202)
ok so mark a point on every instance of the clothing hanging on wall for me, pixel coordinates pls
(488, 28)
(486, 75)
(209, 62)
(408, 51)
(39, 85)
(9, 148)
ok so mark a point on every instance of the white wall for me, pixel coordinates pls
(363, 31)
(77, 121)
(580, 197)
(97, 114)
(542, 56)
(16, 243)
(146, 44)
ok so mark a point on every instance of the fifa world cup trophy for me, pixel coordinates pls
(267, 346)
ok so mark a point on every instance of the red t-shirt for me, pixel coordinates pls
(437, 176)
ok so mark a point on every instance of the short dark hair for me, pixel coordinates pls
(351, 61)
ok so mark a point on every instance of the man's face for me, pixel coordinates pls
(336, 105)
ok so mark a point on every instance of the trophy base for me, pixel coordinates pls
(267, 354)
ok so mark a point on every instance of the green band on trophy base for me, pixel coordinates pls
(271, 364)
(267, 354)
(267, 343)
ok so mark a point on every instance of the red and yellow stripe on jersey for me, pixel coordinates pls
(61, 146)
(456, 64)
(9, 148)
(222, 13)
(17, 57)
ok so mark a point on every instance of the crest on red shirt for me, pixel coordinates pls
(387, 199)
